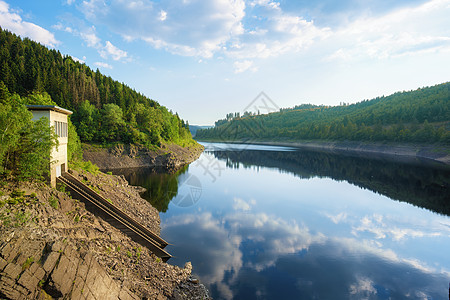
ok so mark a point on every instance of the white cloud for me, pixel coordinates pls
(91, 38)
(242, 66)
(195, 28)
(79, 60)
(89, 35)
(162, 15)
(103, 65)
(12, 21)
(363, 288)
(113, 51)
(275, 32)
(407, 31)
(384, 228)
(240, 204)
(336, 219)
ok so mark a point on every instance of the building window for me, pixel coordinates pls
(61, 129)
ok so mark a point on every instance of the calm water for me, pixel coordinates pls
(262, 222)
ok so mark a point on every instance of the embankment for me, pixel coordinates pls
(51, 247)
(169, 156)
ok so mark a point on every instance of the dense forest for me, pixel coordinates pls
(105, 110)
(420, 116)
(425, 186)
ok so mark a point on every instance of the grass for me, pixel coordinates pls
(54, 202)
(17, 193)
(85, 165)
(27, 263)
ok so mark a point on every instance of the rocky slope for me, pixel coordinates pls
(169, 156)
(52, 247)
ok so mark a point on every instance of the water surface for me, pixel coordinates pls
(266, 222)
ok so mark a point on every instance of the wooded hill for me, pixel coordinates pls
(420, 116)
(105, 110)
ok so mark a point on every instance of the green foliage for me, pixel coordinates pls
(35, 152)
(53, 202)
(421, 116)
(104, 110)
(17, 193)
(87, 166)
(25, 146)
(74, 150)
(27, 263)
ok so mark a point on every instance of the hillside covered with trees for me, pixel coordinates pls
(105, 110)
(420, 116)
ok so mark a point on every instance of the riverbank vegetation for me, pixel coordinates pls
(420, 116)
(105, 110)
(25, 145)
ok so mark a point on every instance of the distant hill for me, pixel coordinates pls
(105, 110)
(193, 128)
(420, 116)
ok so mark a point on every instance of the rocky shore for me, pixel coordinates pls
(52, 247)
(169, 156)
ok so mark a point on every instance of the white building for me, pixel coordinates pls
(58, 119)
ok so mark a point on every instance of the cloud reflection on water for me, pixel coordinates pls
(254, 255)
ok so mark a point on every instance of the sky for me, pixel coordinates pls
(206, 58)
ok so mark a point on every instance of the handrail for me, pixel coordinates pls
(143, 235)
(110, 205)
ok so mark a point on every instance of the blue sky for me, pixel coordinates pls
(205, 58)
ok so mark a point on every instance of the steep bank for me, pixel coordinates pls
(436, 153)
(169, 156)
(52, 246)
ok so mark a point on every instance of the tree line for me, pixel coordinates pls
(105, 110)
(421, 116)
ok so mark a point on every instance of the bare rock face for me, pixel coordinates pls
(52, 247)
(120, 156)
(38, 267)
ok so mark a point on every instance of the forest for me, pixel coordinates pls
(105, 111)
(421, 185)
(420, 116)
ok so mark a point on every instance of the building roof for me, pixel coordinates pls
(50, 107)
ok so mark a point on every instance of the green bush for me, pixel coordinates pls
(54, 202)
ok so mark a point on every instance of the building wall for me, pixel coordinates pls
(58, 154)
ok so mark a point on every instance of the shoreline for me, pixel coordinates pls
(53, 246)
(400, 152)
(169, 157)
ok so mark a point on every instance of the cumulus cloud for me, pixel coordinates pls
(406, 31)
(274, 32)
(112, 51)
(90, 37)
(103, 65)
(11, 20)
(191, 28)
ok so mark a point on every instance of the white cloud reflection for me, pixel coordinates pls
(221, 248)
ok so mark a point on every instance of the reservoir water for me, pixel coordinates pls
(266, 222)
